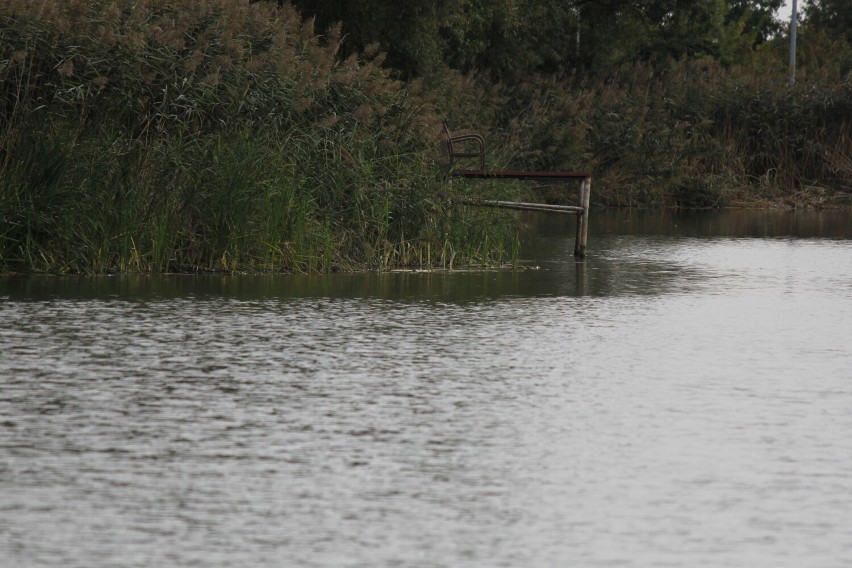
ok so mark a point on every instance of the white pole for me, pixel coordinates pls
(794, 24)
(577, 43)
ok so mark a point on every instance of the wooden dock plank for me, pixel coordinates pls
(510, 174)
(570, 209)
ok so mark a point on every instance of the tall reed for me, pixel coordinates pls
(216, 135)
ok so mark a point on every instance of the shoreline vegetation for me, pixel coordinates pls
(157, 136)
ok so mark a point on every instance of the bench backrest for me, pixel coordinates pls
(464, 146)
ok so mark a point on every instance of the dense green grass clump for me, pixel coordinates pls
(162, 135)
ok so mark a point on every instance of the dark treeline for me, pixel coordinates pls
(512, 39)
(154, 135)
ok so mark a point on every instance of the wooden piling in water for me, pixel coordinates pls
(582, 239)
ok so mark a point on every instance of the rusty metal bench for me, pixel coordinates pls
(467, 146)
(454, 144)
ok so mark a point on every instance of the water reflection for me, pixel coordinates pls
(601, 276)
(630, 254)
(737, 223)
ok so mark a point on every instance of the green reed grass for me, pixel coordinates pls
(214, 135)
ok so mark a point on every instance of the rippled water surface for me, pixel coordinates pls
(681, 398)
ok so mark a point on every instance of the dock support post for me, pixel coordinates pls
(583, 218)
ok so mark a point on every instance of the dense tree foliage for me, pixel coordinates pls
(511, 39)
(833, 16)
(755, 19)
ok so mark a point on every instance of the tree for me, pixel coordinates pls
(832, 16)
(514, 38)
(618, 31)
(407, 30)
(757, 18)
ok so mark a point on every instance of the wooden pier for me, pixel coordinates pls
(581, 210)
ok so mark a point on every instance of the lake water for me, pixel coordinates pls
(681, 398)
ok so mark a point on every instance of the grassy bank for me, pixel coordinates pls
(220, 135)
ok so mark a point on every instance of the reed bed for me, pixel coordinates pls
(161, 136)
(690, 134)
